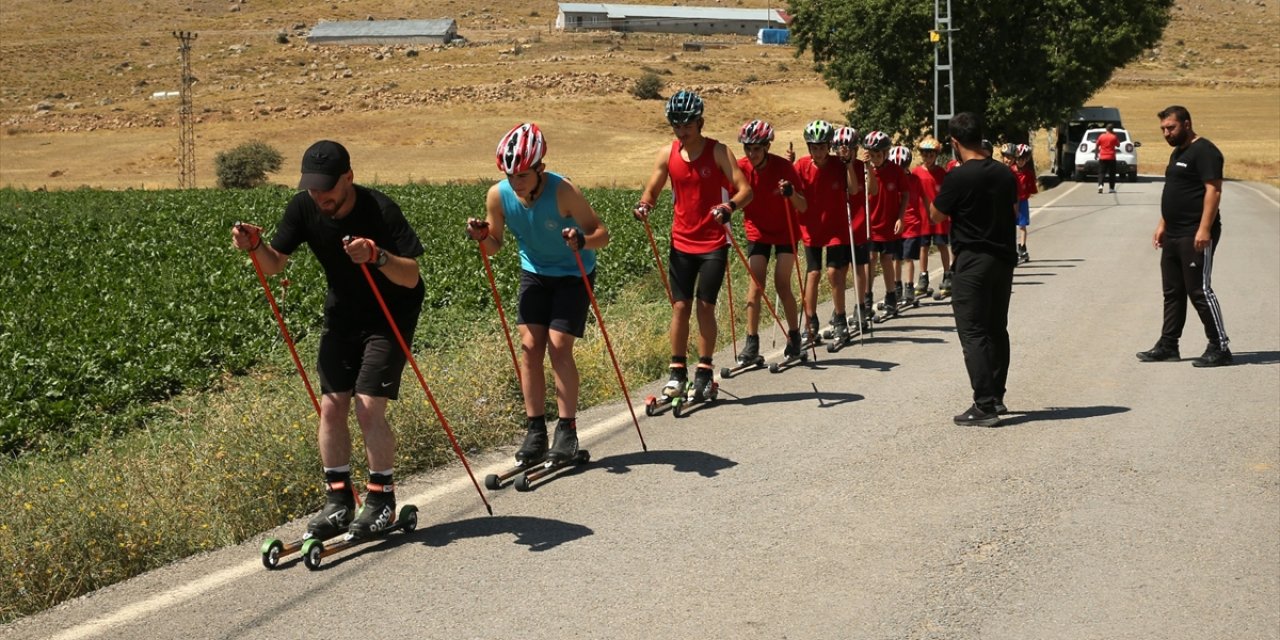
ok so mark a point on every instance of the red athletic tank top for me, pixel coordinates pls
(697, 186)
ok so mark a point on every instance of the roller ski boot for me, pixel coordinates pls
(944, 290)
(703, 389)
(793, 354)
(748, 358)
(335, 517)
(888, 308)
(376, 518)
(812, 335)
(564, 452)
(675, 389)
(532, 452)
(1023, 255)
(840, 334)
(923, 290)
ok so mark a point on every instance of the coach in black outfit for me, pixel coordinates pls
(981, 197)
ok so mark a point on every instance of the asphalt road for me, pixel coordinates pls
(836, 500)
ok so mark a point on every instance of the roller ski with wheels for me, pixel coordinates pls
(944, 290)
(564, 452)
(843, 335)
(923, 290)
(892, 308)
(531, 453)
(813, 334)
(703, 389)
(794, 353)
(749, 358)
(675, 388)
(333, 521)
(314, 551)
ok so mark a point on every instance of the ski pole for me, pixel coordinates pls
(502, 315)
(733, 322)
(853, 265)
(586, 282)
(408, 354)
(791, 229)
(255, 234)
(747, 265)
(871, 280)
(662, 271)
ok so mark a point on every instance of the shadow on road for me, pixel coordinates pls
(1257, 357)
(702, 463)
(539, 534)
(1060, 413)
(826, 399)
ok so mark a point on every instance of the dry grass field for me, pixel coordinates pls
(76, 103)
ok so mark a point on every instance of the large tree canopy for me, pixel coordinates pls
(1021, 64)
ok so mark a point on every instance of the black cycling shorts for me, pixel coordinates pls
(706, 269)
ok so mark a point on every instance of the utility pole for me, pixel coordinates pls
(942, 66)
(186, 128)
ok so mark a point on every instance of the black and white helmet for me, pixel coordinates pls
(684, 107)
(877, 141)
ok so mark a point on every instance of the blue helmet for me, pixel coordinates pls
(684, 107)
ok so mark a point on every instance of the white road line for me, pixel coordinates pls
(1257, 191)
(182, 593)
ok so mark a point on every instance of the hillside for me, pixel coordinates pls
(77, 106)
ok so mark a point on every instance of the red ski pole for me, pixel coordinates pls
(662, 271)
(586, 282)
(408, 354)
(275, 309)
(733, 322)
(747, 265)
(791, 229)
(497, 301)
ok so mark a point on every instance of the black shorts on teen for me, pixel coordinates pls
(557, 302)
(891, 248)
(366, 362)
(706, 269)
(911, 247)
(764, 249)
(838, 257)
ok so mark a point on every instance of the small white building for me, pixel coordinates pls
(384, 32)
(575, 16)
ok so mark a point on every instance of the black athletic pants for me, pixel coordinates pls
(1107, 169)
(981, 285)
(1187, 275)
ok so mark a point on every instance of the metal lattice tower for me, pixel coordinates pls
(186, 127)
(942, 66)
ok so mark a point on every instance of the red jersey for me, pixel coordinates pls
(951, 164)
(915, 221)
(885, 204)
(930, 180)
(1026, 182)
(1107, 144)
(765, 219)
(697, 186)
(826, 189)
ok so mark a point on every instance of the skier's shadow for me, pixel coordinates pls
(946, 328)
(1060, 413)
(1256, 357)
(539, 534)
(825, 399)
(861, 363)
(702, 463)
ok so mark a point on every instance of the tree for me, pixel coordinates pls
(1022, 65)
(247, 165)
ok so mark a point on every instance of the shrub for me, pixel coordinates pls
(247, 165)
(648, 87)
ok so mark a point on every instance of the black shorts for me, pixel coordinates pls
(911, 246)
(367, 362)
(557, 302)
(764, 249)
(707, 269)
(891, 248)
(838, 257)
(941, 239)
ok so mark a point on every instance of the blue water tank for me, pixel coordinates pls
(773, 36)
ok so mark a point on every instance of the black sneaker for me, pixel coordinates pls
(1000, 409)
(335, 517)
(566, 444)
(702, 381)
(976, 417)
(377, 514)
(535, 444)
(750, 350)
(1214, 357)
(1159, 353)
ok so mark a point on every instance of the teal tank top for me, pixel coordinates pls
(537, 230)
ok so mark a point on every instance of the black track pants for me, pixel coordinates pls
(1187, 274)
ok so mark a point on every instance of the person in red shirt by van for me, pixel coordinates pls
(1105, 152)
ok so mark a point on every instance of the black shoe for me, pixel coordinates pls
(378, 513)
(566, 445)
(793, 345)
(977, 417)
(535, 444)
(702, 381)
(1214, 357)
(1000, 409)
(335, 517)
(750, 350)
(1159, 353)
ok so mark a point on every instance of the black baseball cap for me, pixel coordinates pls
(322, 165)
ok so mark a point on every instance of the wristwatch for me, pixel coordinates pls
(381, 260)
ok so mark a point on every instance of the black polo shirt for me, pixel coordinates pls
(980, 196)
(1182, 202)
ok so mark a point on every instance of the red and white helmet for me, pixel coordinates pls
(1022, 151)
(756, 132)
(844, 137)
(877, 141)
(521, 149)
(900, 156)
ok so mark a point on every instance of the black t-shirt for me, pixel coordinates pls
(350, 304)
(1182, 202)
(980, 196)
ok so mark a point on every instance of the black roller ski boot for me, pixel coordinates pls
(908, 295)
(750, 351)
(335, 517)
(378, 512)
(677, 382)
(922, 287)
(566, 441)
(839, 328)
(702, 384)
(535, 442)
(793, 348)
(944, 289)
(890, 305)
(812, 332)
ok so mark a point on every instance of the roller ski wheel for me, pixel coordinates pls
(525, 481)
(942, 294)
(650, 406)
(314, 550)
(312, 553)
(495, 481)
(272, 549)
(741, 366)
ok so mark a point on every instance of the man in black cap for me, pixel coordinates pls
(359, 359)
(980, 196)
